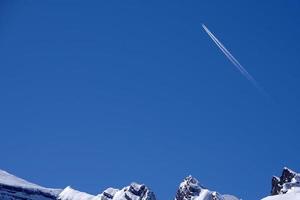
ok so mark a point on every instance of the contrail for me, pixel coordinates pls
(233, 60)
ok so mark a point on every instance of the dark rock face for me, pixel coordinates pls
(137, 189)
(109, 193)
(278, 182)
(18, 193)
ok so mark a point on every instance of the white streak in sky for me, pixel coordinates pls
(233, 60)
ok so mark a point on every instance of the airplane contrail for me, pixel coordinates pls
(233, 60)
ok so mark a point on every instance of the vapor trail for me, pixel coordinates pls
(233, 60)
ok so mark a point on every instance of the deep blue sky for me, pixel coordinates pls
(101, 93)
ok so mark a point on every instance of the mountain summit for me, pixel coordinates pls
(190, 189)
(285, 187)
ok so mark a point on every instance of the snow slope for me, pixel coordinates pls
(70, 194)
(288, 196)
(229, 197)
(12, 187)
(11, 180)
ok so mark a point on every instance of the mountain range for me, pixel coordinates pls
(285, 187)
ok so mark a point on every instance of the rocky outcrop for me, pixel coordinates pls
(191, 189)
(109, 193)
(285, 187)
(188, 188)
(134, 192)
(287, 180)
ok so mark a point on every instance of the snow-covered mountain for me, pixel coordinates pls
(285, 187)
(133, 192)
(190, 189)
(14, 188)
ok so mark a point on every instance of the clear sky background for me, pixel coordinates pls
(102, 93)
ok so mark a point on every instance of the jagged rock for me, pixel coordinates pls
(276, 185)
(135, 192)
(109, 193)
(287, 180)
(285, 187)
(190, 189)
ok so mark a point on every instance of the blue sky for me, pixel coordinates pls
(102, 93)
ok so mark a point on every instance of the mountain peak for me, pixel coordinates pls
(190, 188)
(285, 187)
(287, 181)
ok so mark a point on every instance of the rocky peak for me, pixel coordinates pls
(134, 191)
(288, 180)
(190, 189)
(137, 192)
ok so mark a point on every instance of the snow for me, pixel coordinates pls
(109, 194)
(290, 190)
(70, 194)
(125, 193)
(204, 194)
(13, 181)
(288, 196)
(12, 187)
(111, 191)
(229, 197)
(191, 189)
